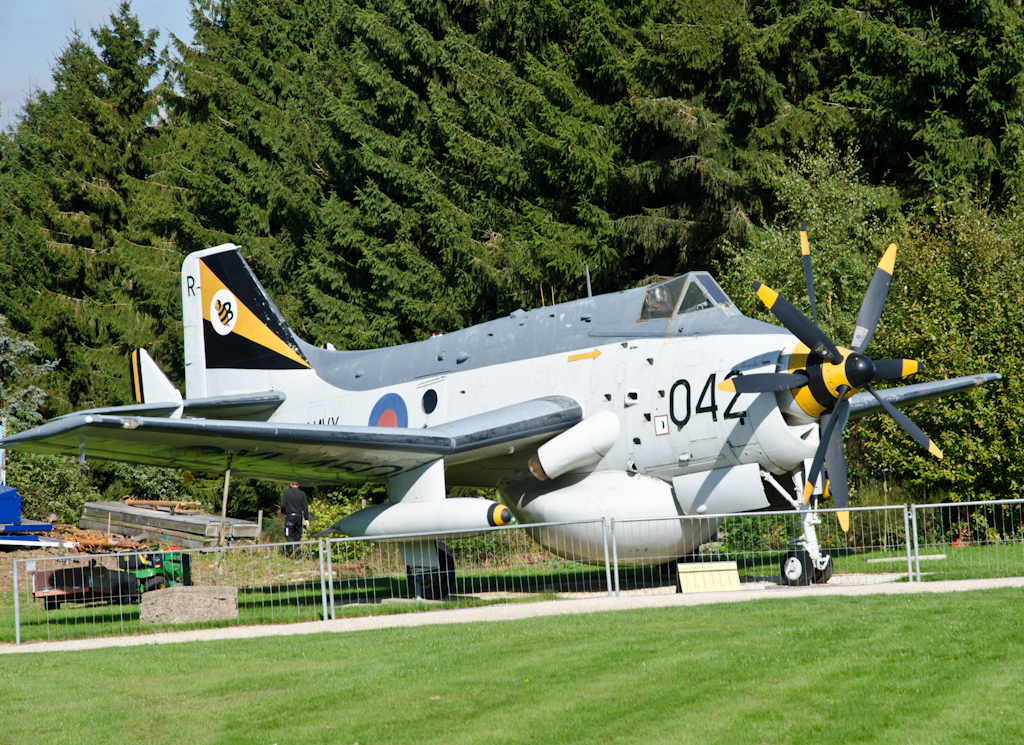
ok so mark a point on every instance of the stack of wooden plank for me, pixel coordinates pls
(186, 530)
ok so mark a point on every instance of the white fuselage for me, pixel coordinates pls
(673, 423)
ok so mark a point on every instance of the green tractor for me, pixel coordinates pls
(156, 571)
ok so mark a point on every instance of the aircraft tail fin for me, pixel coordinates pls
(149, 383)
(235, 337)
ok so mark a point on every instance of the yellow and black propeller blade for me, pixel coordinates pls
(827, 425)
(908, 426)
(858, 369)
(805, 252)
(798, 324)
(895, 369)
(764, 382)
(835, 467)
(874, 301)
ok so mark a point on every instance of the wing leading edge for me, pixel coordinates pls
(864, 404)
(307, 452)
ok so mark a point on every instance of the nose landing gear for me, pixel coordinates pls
(807, 564)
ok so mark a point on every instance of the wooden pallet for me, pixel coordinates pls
(187, 530)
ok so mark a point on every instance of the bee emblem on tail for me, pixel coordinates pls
(223, 312)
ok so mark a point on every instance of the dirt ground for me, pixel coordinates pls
(7, 563)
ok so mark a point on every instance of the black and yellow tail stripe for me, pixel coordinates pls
(251, 343)
(135, 376)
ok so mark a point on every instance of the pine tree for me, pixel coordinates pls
(90, 266)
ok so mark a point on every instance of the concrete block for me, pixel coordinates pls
(180, 604)
(709, 576)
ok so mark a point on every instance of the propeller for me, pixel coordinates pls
(835, 375)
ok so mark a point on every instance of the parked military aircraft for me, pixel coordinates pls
(659, 401)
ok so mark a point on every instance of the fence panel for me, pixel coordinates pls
(83, 596)
(873, 550)
(75, 596)
(500, 565)
(970, 540)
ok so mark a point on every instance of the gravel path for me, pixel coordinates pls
(515, 611)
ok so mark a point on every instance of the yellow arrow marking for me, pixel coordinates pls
(585, 356)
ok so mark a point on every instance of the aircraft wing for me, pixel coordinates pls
(293, 451)
(864, 404)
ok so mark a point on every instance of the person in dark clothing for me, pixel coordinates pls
(296, 515)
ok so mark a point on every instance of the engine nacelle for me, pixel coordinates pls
(581, 445)
(432, 520)
(608, 494)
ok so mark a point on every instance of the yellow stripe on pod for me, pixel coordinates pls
(499, 514)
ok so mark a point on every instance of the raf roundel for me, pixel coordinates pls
(389, 411)
(223, 312)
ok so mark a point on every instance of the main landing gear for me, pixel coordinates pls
(429, 570)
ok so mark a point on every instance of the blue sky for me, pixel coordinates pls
(33, 32)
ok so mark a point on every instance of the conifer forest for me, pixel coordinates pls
(394, 168)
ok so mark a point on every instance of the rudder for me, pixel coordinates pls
(231, 323)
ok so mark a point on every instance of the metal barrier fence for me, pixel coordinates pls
(874, 549)
(75, 596)
(968, 540)
(500, 565)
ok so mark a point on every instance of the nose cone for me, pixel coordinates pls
(859, 370)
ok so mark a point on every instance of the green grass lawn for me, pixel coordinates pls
(906, 669)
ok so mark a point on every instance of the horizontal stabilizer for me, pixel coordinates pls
(864, 404)
(149, 383)
(294, 452)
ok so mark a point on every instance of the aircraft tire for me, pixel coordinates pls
(436, 584)
(796, 568)
(821, 576)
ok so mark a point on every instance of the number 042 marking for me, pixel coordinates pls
(679, 403)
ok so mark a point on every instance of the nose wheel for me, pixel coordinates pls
(797, 569)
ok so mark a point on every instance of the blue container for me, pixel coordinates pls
(10, 505)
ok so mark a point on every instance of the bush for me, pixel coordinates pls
(50, 484)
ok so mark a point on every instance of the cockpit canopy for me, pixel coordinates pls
(689, 293)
